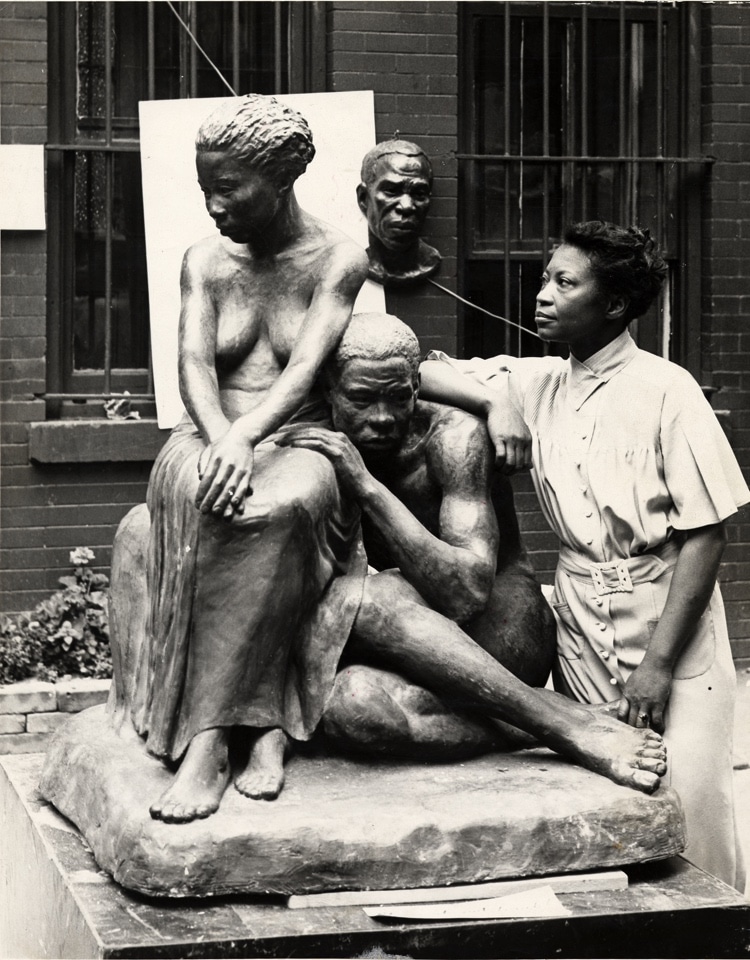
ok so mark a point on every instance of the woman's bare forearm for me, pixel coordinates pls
(690, 591)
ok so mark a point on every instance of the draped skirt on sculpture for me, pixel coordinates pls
(247, 618)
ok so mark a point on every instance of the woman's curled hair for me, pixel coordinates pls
(624, 260)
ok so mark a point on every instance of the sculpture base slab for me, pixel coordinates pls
(348, 824)
(55, 902)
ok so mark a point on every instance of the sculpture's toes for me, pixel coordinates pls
(260, 788)
(182, 813)
(653, 764)
(648, 751)
(644, 780)
(657, 760)
(653, 746)
(175, 813)
(654, 739)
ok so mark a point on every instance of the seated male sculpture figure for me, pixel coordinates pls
(394, 195)
(454, 599)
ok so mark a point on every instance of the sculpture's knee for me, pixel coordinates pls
(381, 713)
(290, 487)
(128, 604)
(361, 713)
(518, 627)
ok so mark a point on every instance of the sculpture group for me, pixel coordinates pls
(323, 554)
(262, 624)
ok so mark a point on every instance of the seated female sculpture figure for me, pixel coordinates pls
(252, 549)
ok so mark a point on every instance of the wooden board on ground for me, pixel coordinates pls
(570, 883)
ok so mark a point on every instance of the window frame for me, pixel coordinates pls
(684, 345)
(69, 390)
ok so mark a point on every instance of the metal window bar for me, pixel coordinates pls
(641, 122)
(108, 163)
(113, 143)
(506, 106)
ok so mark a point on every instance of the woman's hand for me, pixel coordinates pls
(645, 696)
(511, 437)
(225, 468)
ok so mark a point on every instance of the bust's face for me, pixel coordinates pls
(372, 402)
(396, 200)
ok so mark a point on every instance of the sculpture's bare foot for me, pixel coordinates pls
(632, 757)
(263, 777)
(200, 782)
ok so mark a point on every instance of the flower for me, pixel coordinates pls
(81, 556)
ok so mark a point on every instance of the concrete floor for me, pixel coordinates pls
(742, 759)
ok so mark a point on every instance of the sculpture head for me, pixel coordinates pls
(394, 195)
(269, 136)
(249, 153)
(395, 191)
(372, 381)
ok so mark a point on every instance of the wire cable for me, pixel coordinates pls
(495, 316)
(192, 36)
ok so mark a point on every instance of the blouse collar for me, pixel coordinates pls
(600, 367)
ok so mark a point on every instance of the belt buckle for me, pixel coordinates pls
(624, 583)
(623, 575)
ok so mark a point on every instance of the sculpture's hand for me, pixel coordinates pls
(352, 474)
(645, 696)
(225, 468)
(510, 436)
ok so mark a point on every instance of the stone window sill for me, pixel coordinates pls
(95, 441)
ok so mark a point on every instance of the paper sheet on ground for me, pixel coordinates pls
(343, 128)
(541, 902)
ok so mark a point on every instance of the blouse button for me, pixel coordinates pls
(613, 681)
(598, 601)
(605, 655)
(602, 626)
(589, 541)
(589, 513)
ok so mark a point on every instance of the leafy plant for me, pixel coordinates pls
(65, 635)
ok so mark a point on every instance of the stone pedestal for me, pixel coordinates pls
(55, 902)
(347, 824)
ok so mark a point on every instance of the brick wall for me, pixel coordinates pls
(31, 711)
(725, 351)
(44, 511)
(408, 54)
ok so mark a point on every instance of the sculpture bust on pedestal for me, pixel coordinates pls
(395, 195)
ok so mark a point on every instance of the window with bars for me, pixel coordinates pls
(575, 113)
(104, 58)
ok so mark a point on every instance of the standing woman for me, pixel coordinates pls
(636, 477)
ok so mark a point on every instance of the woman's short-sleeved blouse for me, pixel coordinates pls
(626, 448)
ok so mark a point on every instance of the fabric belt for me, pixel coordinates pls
(619, 576)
